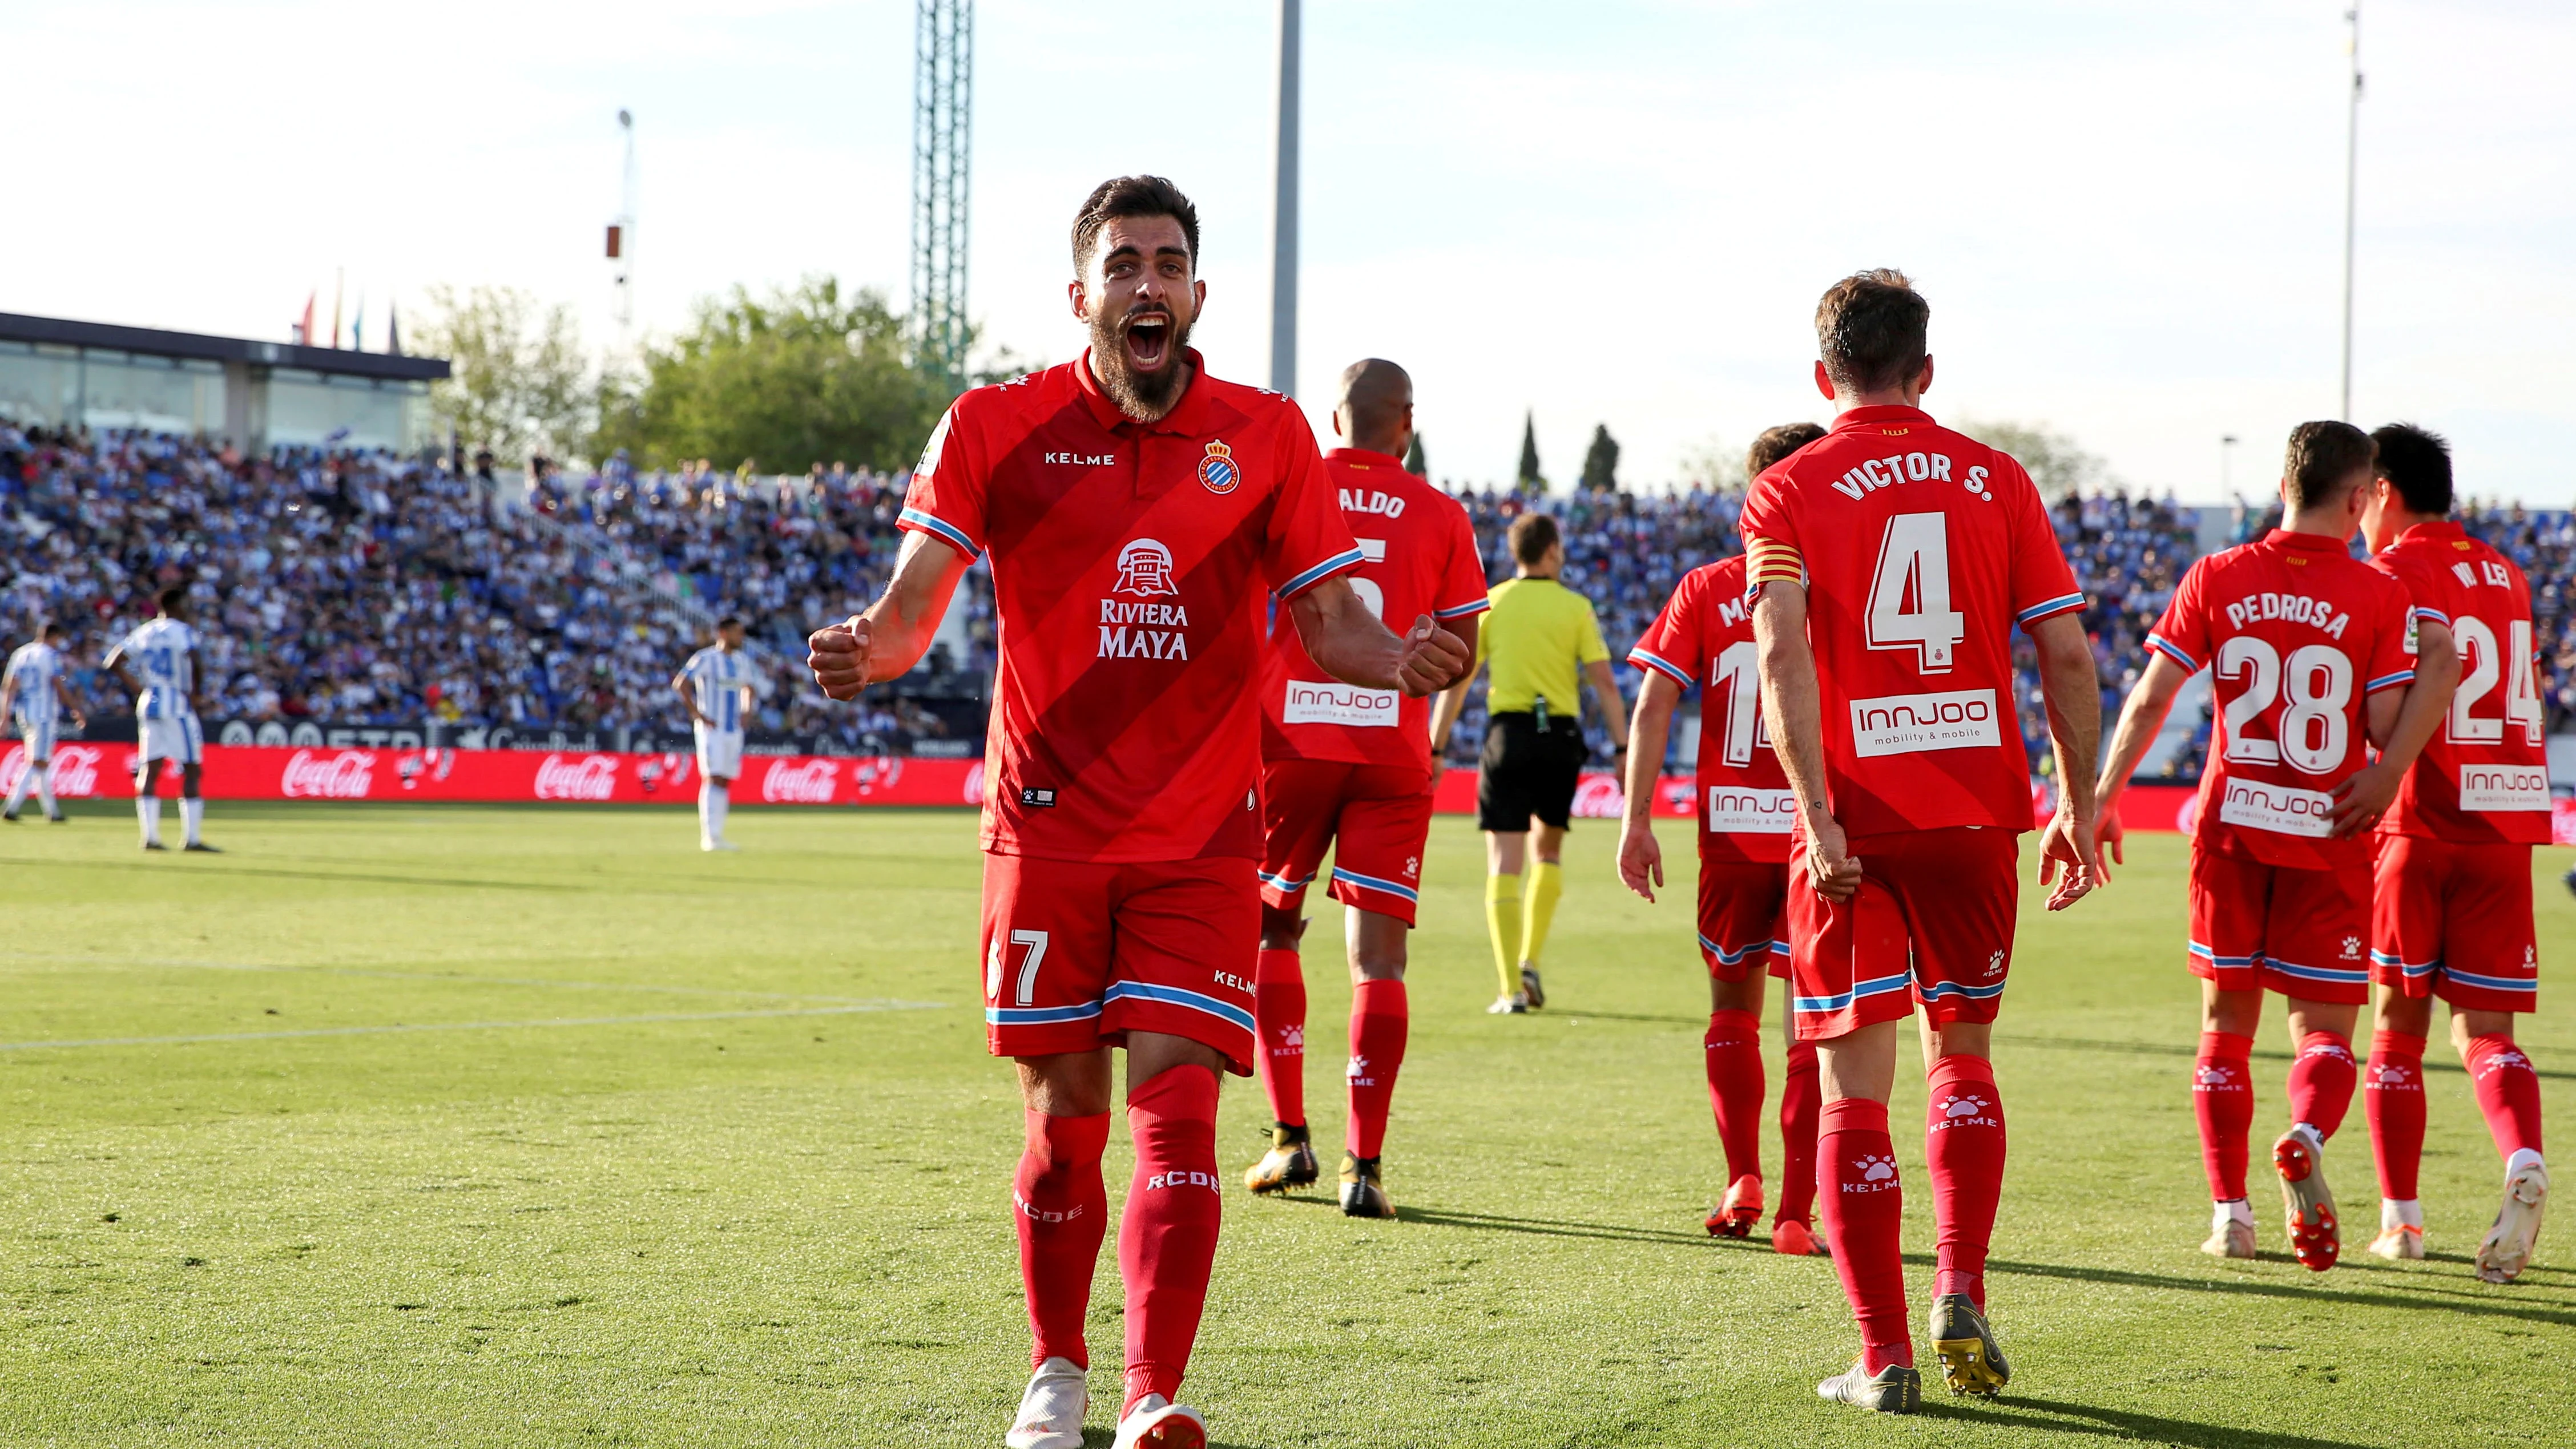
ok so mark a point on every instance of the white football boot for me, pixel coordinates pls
(1158, 1423)
(1052, 1409)
(2507, 1249)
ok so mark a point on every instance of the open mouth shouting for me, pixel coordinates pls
(1148, 340)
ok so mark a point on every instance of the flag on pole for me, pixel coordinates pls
(358, 324)
(304, 326)
(393, 329)
(339, 285)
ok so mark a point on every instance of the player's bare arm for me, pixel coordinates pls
(2073, 690)
(115, 664)
(886, 640)
(689, 698)
(63, 694)
(1790, 706)
(1641, 856)
(2361, 800)
(2141, 717)
(1347, 642)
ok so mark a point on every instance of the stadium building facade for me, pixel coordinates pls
(254, 395)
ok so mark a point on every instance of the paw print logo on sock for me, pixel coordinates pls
(1961, 1107)
(2331, 1050)
(2352, 948)
(1358, 1072)
(2213, 1078)
(1876, 1174)
(2392, 1079)
(1292, 1038)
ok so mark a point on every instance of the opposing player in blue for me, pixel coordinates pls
(164, 653)
(716, 686)
(32, 697)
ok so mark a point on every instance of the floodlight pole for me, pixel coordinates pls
(1283, 257)
(2351, 188)
(943, 82)
(624, 251)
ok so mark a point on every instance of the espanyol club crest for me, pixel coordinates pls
(1217, 469)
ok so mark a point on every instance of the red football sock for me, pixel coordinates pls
(2394, 1100)
(2222, 1094)
(1963, 1144)
(1733, 1047)
(1063, 1208)
(1167, 1240)
(1864, 1213)
(2321, 1082)
(1279, 1015)
(2508, 1093)
(1801, 1095)
(1379, 1021)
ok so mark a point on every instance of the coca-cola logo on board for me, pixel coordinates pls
(1599, 797)
(328, 775)
(588, 777)
(75, 769)
(807, 784)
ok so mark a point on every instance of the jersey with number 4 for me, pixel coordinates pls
(2484, 777)
(1420, 554)
(2298, 635)
(1919, 549)
(1704, 636)
(160, 649)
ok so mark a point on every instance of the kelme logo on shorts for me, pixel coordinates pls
(1217, 468)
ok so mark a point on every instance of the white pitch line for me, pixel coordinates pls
(116, 1041)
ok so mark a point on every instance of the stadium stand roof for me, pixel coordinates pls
(156, 342)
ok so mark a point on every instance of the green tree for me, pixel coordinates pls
(1601, 461)
(1413, 459)
(788, 379)
(1715, 462)
(521, 385)
(2052, 459)
(1531, 480)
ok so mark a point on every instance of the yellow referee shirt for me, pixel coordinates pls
(1538, 634)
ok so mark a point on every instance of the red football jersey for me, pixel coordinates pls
(1704, 636)
(1132, 567)
(2299, 634)
(2484, 777)
(1421, 559)
(1920, 549)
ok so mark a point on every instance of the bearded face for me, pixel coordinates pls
(1139, 300)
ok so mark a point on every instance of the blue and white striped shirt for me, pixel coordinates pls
(719, 680)
(161, 653)
(32, 672)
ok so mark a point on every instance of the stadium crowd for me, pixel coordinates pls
(364, 589)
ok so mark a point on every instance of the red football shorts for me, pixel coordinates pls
(1375, 817)
(1079, 953)
(1931, 922)
(2454, 921)
(1739, 917)
(2257, 927)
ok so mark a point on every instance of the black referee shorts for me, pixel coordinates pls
(1527, 771)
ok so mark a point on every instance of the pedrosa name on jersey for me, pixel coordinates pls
(1898, 468)
(2297, 608)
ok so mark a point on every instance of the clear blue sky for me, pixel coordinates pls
(2128, 216)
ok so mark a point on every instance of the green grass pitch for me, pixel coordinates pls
(448, 1126)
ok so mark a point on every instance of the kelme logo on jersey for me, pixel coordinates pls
(1217, 468)
(1145, 569)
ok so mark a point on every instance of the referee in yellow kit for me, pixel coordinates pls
(1536, 636)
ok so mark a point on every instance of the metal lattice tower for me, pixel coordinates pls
(943, 83)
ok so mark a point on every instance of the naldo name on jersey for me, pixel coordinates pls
(1372, 501)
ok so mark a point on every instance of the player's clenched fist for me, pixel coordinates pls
(1433, 658)
(839, 658)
